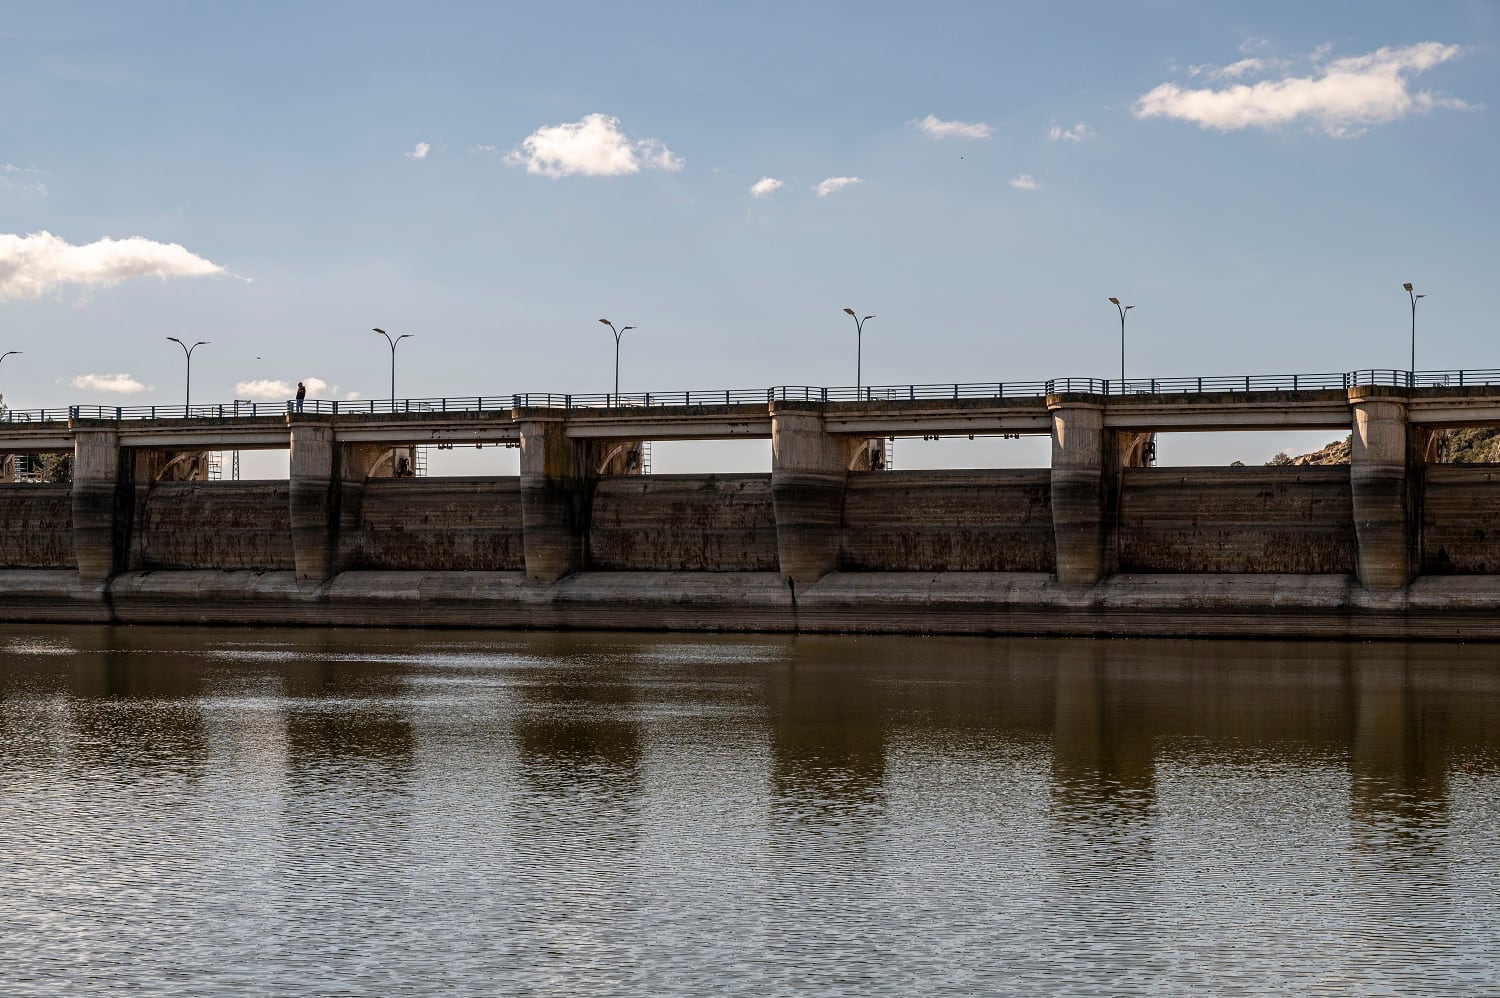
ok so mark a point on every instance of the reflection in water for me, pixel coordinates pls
(827, 741)
(1398, 757)
(311, 812)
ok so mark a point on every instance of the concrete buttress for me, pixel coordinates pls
(1382, 494)
(1082, 469)
(314, 498)
(555, 500)
(809, 471)
(100, 516)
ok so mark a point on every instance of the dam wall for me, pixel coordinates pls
(36, 526)
(948, 521)
(1266, 520)
(682, 523)
(1393, 544)
(216, 525)
(450, 524)
(1461, 519)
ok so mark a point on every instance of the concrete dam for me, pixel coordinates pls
(1394, 544)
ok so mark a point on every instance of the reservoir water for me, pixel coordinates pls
(283, 812)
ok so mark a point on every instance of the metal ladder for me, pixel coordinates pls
(890, 453)
(645, 457)
(419, 462)
(215, 465)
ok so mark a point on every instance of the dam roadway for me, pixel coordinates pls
(1394, 544)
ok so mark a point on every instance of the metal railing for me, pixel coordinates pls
(761, 396)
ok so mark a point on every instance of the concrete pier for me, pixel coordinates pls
(556, 482)
(809, 470)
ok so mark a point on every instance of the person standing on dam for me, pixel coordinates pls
(301, 394)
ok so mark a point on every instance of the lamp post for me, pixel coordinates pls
(1411, 373)
(618, 333)
(187, 394)
(1123, 309)
(392, 342)
(859, 336)
(2, 360)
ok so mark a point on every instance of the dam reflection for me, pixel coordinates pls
(834, 713)
(1022, 810)
(828, 726)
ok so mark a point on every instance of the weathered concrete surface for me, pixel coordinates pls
(809, 467)
(1236, 605)
(453, 524)
(36, 526)
(695, 523)
(1259, 520)
(102, 503)
(556, 493)
(217, 525)
(314, 498)
(1081, 485)
(1461, 519)
(949, 521)
(1382, 501)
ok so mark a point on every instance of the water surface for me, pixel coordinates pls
(280, 812)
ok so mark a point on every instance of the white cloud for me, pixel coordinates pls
(940, 129)
(26, 179)
(33, 265)
(419, 151)
(765, 186)
(122, 384)
(1025, 182)
(1078, 133)
(272, 390)
(657, 156)
(1340, 97)
(833, 185)
(593, 146)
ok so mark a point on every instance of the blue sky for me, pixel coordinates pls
(1259, 179)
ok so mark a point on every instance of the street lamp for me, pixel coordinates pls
(1411, 373)
(618, 333)
(393, 342)
(859, 336)
(187, 395)
(2, 360)
(1123, 309)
